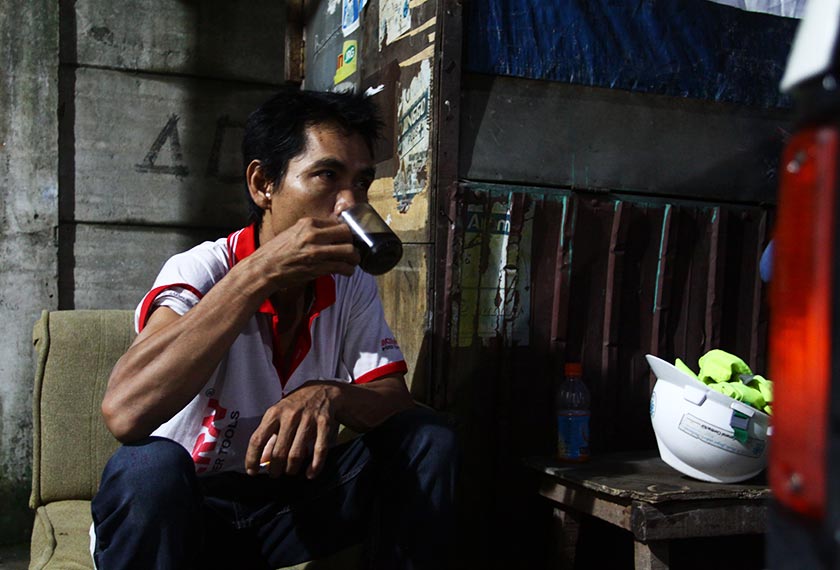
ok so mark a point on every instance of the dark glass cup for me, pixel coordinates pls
(378, 246)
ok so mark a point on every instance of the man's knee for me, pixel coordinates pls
(148, 507)
(426, 432)
(155, 469)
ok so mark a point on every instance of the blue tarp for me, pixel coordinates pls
(688, 48)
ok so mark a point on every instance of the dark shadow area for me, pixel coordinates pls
(603, 545)
(67, 41)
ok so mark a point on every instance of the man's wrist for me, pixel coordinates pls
(257, 276)
(335, 396)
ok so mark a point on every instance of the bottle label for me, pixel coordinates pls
(573, 435)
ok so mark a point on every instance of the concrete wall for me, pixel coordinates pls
(119, 146)
(154, 97)
(28, 217)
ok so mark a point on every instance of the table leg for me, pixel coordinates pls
(566, 525)
(652, 555)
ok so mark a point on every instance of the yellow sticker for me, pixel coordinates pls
(346, 65)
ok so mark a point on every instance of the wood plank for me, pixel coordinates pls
(758, 332)
(692, 280)
(610, 344)
(559, 332)
(612, 286)
(565, 525)
(631, 396)
(583, 137)
(659, 344)
(743, 306)
(651, 556)
(549, 209)
(293, 68)
(717, 275)
(684, 518)
(211, 38)
(446, 116)
(156, 150)
(694, 519)
(404, 297)
(585, 502)
(742, 277)
(642, 476)
(412, 225)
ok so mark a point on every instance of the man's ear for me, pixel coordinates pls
(259, 186)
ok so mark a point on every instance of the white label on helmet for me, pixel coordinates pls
(719, 437)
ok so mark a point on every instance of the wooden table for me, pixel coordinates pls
(641, 494)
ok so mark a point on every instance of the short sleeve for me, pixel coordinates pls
(370, 350)
(184, 280)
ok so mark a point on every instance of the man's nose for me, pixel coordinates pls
(346, 199)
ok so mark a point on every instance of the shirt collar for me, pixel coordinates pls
(243, 243)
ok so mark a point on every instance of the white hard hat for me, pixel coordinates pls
(703, 433)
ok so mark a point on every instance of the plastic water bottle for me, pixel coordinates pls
(572, 415)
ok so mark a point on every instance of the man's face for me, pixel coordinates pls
(332, 173)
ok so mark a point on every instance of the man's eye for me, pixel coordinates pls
(364, 184)
(326, 174)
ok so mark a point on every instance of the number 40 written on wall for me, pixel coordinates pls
(175, 165)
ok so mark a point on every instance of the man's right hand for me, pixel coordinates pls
(311, 248)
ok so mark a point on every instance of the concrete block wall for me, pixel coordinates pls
(28, 217)
(119, 146)
(154, 97)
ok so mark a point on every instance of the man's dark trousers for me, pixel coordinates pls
(392, 488)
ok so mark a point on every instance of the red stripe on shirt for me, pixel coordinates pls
(399, 367)
(146, 305)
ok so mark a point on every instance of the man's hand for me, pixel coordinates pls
(303, 425)
(299, 427)
(309, 249)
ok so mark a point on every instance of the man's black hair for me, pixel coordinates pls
(276, 132)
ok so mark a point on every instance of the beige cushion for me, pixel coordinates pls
(76, 352)
(60, 539)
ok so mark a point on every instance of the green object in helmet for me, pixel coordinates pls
(719, 366)
(683, 367)
(764, 386)
(741, 392)
(729, 375)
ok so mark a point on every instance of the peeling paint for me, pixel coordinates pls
(394, 20)
(495, 273)
(413, 139)
(418, 29)
(423, 55)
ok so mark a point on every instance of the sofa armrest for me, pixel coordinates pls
(76, 351)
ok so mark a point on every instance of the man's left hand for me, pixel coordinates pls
(300, 427)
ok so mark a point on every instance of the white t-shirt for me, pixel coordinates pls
(347, 340)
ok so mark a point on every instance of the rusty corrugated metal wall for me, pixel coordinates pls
(541, 277)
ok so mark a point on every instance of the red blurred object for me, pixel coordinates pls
(801, 308)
